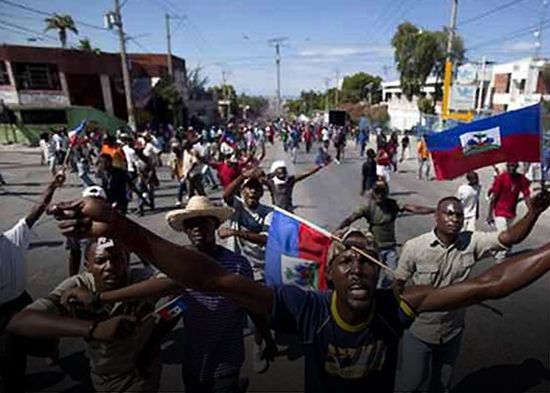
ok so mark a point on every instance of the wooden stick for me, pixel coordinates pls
(333, 237)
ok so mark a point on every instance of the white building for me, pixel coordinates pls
(404, 114)
(516, 84)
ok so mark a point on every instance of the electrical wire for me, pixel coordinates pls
(489, 12)
(44, 13)
(25, 29)
(514, 34)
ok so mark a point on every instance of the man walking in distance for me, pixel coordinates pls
(423, 156)
(381, 212)
(469, 193)
(504, 194)
(442, 257)
(338, 327)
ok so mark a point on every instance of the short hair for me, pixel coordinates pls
(447, 199)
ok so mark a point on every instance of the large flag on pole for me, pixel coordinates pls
(511, 136)
(296, 252)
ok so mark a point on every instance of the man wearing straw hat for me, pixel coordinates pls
(212, 363)
(351, 333)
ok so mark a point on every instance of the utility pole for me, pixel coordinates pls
(114, 18)
(327, 81)
(481, 84)
(337, 85)
(277, 43)
(448, 61)
(169, 47)
(538, 33)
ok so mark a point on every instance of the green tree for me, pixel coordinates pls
(84, 44)
(257, 105)
(359, 86)
(421, 53)
(62, 23)
(426, 105)
(196, 83)
(166, 91)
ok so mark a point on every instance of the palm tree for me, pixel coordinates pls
(85, 45)
(61, 23)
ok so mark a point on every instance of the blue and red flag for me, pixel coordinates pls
(75, 134)
(229, 138)
(511, 136)
(172, 309)
(296, 252)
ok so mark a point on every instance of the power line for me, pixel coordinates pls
(490, 12)
(44, 13)
(514, 34)
(13, 25)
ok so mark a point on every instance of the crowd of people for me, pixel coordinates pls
(349, 333)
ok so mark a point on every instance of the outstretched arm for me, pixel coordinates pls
(522, 228)
(37, 210)
(38, 324)
(350, 220)
(92, 217)
(307, 174)
(497, 282)
(417, 209)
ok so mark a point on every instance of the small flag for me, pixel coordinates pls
(511, 136)
(296, 252)
(171, 309)
(75, 134)
(229, 138)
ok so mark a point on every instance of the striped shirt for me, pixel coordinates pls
(213, 326)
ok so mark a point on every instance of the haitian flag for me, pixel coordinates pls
(296, 252)
(75, 134)
(511, 136)
(172, 309)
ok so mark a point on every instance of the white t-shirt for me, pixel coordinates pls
(132, 159)
(469, 196)
(13, 269)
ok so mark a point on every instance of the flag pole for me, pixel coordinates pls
(542, 141)
(333, 237)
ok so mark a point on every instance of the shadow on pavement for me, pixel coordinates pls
(505, 378)
(402, 193)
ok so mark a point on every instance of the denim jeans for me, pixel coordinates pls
(389, 257)
(84, 174)
(416, 359)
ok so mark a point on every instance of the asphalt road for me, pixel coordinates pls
(506, 345)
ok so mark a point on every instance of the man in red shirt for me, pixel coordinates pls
(228, 170)
(504, 199)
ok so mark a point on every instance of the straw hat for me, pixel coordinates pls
(198, 206)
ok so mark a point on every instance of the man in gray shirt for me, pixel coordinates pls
(439, 258)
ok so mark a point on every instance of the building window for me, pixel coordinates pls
(4, 77)
(508, 81)
(35, 76)
(522, 86)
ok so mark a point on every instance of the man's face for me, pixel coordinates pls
(450, 217)
(109, 266)
(380, 192)
(281, 173)
(252, 194)
(201, 230)
(473, 178)
(354, 278)
(512, 168)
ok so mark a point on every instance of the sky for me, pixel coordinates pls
(325, 40)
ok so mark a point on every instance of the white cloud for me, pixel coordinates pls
(521, 46)
(323, 51)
